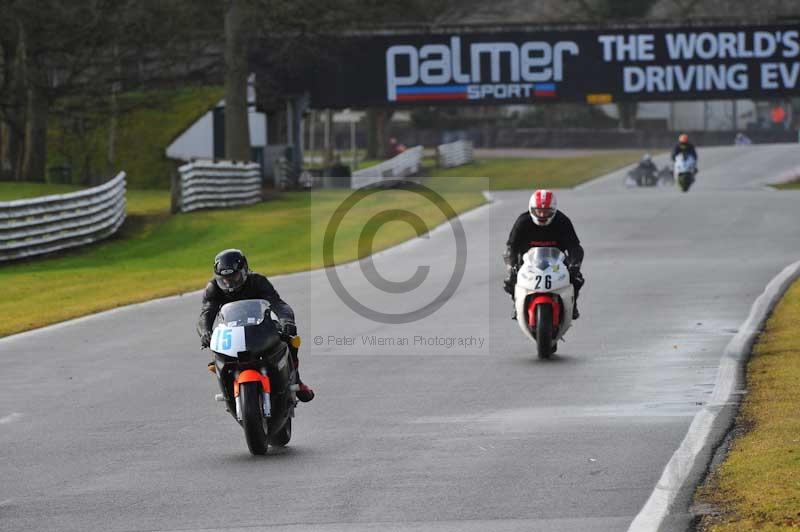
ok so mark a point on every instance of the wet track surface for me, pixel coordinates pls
(109, 424)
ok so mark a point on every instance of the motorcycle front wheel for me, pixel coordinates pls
(253, 417)
(544, 331)
(684, 182)
(282, 437)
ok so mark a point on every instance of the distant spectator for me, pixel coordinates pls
(395, 148)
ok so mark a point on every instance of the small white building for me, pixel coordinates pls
(197, 141)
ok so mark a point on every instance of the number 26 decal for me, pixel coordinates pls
(547, 282)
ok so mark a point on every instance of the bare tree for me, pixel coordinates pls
(71, 58)
(237, 34)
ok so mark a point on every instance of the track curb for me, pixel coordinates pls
(710, 425)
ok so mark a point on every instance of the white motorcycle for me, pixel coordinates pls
(684, 170)
(544, 297)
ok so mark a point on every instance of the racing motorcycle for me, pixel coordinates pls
(684, 170)
(641, 177)
(255, 372)
(544, 297)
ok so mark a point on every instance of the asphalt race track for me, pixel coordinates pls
(108, 423)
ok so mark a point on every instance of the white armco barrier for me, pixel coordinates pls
(209, 184)
(34, 226)
(403, 165)
(454, 154)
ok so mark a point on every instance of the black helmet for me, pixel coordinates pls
(230, 270)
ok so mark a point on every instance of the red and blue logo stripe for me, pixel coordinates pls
(460, 92)
(544, 89)
(432, 92)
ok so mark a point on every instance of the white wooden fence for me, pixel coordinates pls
(34, 226)
(403, 165)
(454, 154)
(209, 184)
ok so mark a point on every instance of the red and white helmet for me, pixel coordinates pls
(543, 207)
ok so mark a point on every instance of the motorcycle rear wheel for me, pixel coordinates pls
(544, 331)
(253, 417)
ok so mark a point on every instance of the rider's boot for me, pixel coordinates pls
(304, 392)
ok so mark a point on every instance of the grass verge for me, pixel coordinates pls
(757, 487)
(791, 185)
(14, 190)
(517, 173)
(156, 255)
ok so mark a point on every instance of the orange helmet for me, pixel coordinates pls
(683, 138)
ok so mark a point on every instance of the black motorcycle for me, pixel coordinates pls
(255, 372)
(649, 177)
(641, 177)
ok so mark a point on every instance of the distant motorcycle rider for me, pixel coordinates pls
(543, 225)
(647, 164)
(685, 147)
(647, 170)
(233, 281)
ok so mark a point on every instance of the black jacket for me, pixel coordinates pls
(648, 166)
(255, 287)
(686, 149)
(559, 233)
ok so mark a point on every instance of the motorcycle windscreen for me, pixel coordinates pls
(543, 257)
(243, 313)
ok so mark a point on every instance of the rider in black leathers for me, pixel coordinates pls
(543, 225)
(233, 281)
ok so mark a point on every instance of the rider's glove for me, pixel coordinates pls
(510, 281)
(205, 339)
(289, 328)
(575, 276)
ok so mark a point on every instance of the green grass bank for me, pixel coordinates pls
(757, 486)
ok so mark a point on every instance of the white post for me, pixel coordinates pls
(327, 144)
(312, 117)
(353, 143)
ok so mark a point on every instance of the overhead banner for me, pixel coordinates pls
(595, 66)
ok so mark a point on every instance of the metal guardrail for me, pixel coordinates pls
(209, 184)
(454, 154)
(35, 226)
(403, 165)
